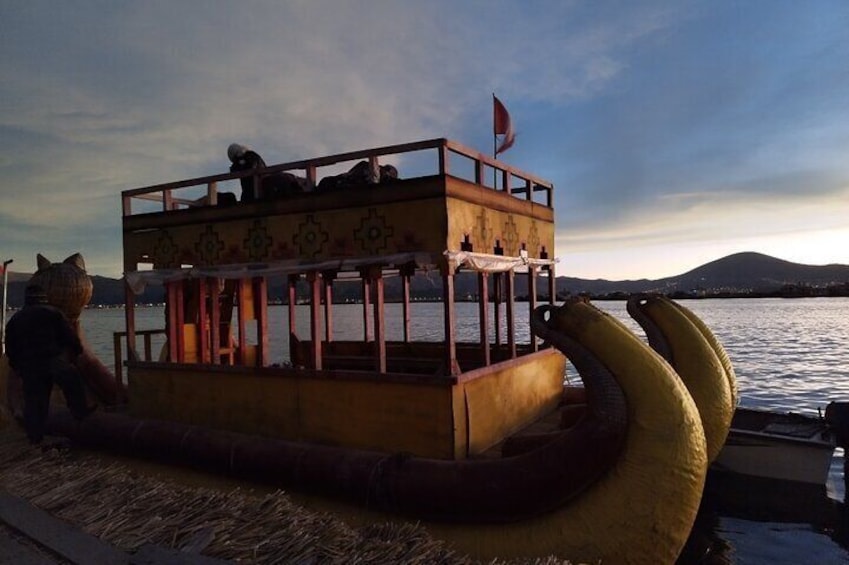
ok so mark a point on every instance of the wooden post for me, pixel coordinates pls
(406, 274)
(203, 325)
(243, 319)
(295, 357)
(483, 309)
(376, 275)
(260, 296)
(496, 291)
(552, 286)
(130, 321)
(532, 304)
(366, 305)
(511, 314)
(452, 368)
(212, 193)
(314, 280)
(327, 278)
(215, 320)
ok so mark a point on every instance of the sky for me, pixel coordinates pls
(676, 132)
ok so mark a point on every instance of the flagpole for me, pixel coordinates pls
(494, 146)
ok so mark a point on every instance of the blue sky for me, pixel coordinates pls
(675, 132)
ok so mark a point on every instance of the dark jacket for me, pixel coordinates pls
(247, 161)
(38, 333)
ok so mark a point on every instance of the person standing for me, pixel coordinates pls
(41, 346)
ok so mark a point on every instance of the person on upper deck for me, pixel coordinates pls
(245, 159)
(42, 346)
(272, 186)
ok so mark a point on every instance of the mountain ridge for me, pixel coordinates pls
(745, 273)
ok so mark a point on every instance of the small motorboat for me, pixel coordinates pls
(775, 445)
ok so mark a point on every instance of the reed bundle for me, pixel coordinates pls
(129, 509)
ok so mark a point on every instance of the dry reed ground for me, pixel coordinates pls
(129, 508)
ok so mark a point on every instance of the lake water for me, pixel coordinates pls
(789, 355)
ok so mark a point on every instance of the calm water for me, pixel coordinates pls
(789, 355)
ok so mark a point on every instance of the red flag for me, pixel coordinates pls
(502, 125)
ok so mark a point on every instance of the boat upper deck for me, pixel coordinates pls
(446, 197)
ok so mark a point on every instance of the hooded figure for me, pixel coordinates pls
(41, 346)
(244, 159)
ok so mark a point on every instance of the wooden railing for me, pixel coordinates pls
(446, 149)
(118, 338)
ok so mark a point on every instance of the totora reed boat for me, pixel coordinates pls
(475, 438)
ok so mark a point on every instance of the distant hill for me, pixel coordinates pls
(739, 273)
(742, 273)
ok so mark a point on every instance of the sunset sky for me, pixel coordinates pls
(675, 132)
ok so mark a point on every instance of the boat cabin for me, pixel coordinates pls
(448, 210)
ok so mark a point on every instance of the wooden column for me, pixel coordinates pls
(314, 280)
(327, 278)
(552, 286)
(260, 296)
(532, 304)
(452, 368)
(511, 313)
(483, 309)
(376, 275)
(406, 274)
(496, 292)
(366, 305)
(295, 356)
(242, 292)
(215, 320)
(130, 321)
(203, 324)
(176, 347)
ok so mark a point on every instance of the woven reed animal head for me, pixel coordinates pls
(67, 284)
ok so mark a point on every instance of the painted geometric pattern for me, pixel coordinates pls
(364, 231)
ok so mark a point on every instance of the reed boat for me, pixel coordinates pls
(478, 438)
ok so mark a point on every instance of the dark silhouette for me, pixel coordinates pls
(42, 347)
(275, 185)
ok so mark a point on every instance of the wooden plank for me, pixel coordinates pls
(174, 324)
(68, 542)
(496, 292)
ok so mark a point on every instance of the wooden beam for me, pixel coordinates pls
(483, 315)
